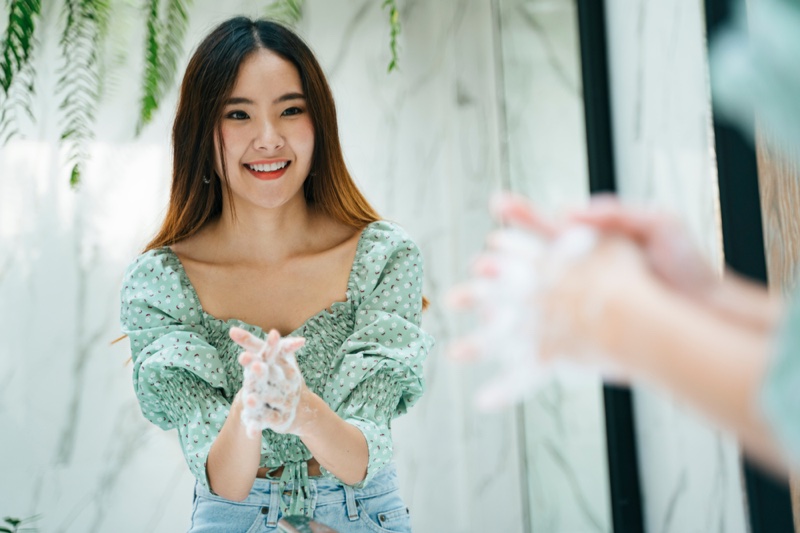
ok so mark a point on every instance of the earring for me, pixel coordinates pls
(206, 180)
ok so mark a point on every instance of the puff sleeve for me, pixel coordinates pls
(380, 365)
(178, 377)
(780, 392)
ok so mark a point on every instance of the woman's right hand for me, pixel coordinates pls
(272, 384)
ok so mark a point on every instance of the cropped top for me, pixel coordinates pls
(779, 396)
(363, 356)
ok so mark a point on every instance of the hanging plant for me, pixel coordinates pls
(163, 49)
(80, 82)
(394, 31)
(16, 72)
(17, 525)
(287, 11)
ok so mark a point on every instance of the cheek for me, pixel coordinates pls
(307, 136)
(228, 149)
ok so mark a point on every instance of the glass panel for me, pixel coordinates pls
(564, 422)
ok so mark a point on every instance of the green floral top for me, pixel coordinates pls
(780, 392)
(363, 357)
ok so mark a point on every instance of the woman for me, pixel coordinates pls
(265, 228)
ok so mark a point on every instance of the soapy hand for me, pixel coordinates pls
(509, 290)
(272, 380)
(547, 294)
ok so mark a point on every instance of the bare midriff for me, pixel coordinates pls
(313, 470)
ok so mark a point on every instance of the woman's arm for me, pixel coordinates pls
(278, 398)
(705, 358)
(234, 457)
(338, 446)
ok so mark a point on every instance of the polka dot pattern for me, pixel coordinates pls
(364, 356)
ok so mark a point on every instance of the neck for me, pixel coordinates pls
(265, 234)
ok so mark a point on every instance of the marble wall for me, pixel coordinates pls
(488, 95)
(664, 151)
(422, 143)
(564, 422)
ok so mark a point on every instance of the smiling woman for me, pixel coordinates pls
(266, 235)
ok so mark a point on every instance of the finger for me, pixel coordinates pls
(253, 430)
(246, 340)
(245, 358)
(516, 210)
(639, 224)
(292, 344)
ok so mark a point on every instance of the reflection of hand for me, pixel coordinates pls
(272, 383)
(546, 291)
(664, 239)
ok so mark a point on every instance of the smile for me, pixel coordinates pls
(268, 171)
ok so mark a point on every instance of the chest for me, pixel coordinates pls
(278, 297)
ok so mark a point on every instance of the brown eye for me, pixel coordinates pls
(291, 111)
(237, 115)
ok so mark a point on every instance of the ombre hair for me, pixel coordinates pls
(207, 84)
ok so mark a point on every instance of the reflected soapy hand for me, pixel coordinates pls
(665, 241)
(508, 290)
(544, 294)
(272, 383)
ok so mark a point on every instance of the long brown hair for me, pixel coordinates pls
(207, 84)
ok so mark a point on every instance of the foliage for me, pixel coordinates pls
(15, 525)
(80, 78)
(16, 73)
(79, 82)
(287, 11)
(394, 31)
(163, 49)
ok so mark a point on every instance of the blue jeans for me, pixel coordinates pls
(377, 508)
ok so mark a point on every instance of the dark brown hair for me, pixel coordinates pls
(207, 84)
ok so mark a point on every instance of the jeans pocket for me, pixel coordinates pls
(385, 514)
(212, 515)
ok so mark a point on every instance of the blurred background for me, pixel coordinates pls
(552, 98)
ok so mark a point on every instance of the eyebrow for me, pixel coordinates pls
(284, 98)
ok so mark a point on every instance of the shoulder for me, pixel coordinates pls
(387, 256)
(152, 264)
(384, 239)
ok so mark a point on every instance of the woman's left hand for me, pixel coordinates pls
(273, 384)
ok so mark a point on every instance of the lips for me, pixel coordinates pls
(266, 171)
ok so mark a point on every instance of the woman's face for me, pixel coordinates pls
(267, 132)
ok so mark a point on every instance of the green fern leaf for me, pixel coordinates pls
(15, 58)
(18, 40)
(288, 12)
(20, 99)
(163, 50)
(79, 81)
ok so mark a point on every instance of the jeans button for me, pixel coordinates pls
(264, 510)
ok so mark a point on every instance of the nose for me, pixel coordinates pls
(268, 137)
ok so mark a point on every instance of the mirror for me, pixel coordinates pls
(564, 422)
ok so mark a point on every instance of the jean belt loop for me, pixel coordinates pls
(350, 500)
(274, 503)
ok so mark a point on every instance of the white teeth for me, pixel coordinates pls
(269, 168)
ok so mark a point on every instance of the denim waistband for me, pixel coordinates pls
(322, 490)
